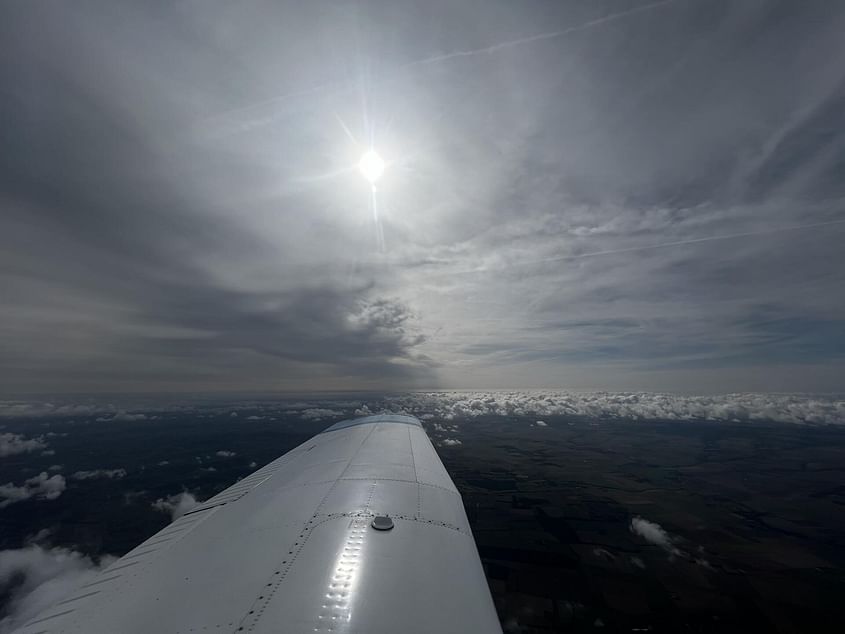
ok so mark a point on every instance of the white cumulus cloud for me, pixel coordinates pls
(122, 417)
(37, 577)
(99, 474)
(653, 533)
(13, 444)
(450, 442)
(177, 505)
(743, 407)
(224, 453)
(41, 486)
(319, 413)
(23, 409)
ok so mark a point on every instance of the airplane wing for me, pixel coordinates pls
(358, 530)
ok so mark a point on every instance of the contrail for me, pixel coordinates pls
(662, 245)
(346, 129)
(346, 84)
(540, 36)
(272, 101)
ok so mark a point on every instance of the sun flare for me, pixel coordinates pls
(371, 166)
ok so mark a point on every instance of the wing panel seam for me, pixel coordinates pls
(293, 551)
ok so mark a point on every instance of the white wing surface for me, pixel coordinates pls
(292, 548)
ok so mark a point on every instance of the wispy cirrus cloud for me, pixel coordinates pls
(561, 209)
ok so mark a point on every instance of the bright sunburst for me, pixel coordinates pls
(371, 166)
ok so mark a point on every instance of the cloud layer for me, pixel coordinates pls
(579, 195)
(449, 405)
(783, 408)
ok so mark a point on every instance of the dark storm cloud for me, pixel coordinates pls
(617, 194)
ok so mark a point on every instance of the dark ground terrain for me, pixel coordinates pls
(753, 514)
(756, 515)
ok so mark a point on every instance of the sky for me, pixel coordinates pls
(593, 195)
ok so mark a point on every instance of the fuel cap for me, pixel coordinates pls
(382, 523)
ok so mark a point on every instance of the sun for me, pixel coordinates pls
(371, 166)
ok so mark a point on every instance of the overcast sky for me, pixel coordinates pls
(579, 194)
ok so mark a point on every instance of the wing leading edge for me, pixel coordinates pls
(291, 548)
